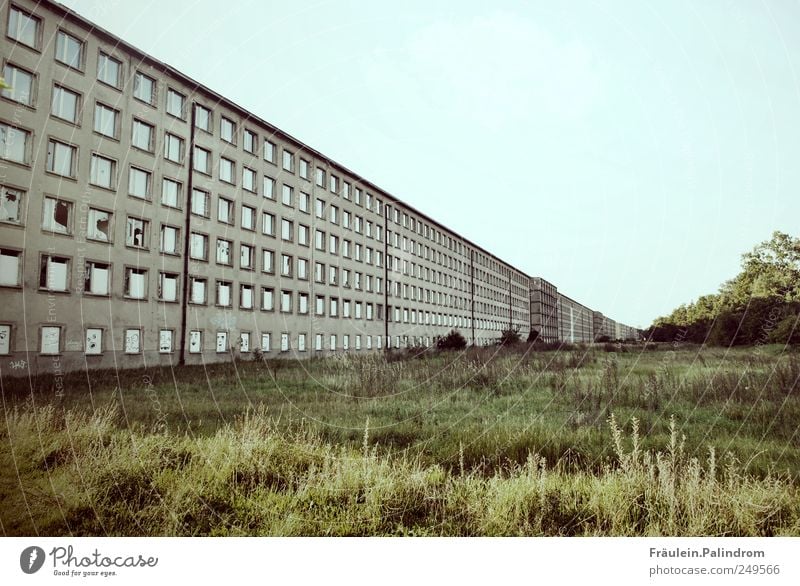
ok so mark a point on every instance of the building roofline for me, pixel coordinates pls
(247, 114)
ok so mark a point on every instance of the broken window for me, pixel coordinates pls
(57, 215)
(99, 225)
(136, 233)
(10, 205)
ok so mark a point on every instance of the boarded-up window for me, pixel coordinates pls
(195, 341)
(51, 340)
(94, 341)
(9, 267)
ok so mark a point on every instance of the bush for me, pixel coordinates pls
(787, 331)
(509, 337)
(533, 336)
(452, 341)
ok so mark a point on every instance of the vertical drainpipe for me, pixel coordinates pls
(187, 238)
(472, 291)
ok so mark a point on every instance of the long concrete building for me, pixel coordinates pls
(147, 220)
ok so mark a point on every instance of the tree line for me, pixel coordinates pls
(761, 305)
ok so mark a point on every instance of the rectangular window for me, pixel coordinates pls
(99, 225)
(319, 305)
(173, 148)
(195, 342)
(165, 341)
(19, 84)
(225, 212)
(286, 265)
(288, 161)
(135, 283)
(168, 286)
(106, 120)
(139, 183)
(54, 273)
(269, 187)
(302, 303)
(304, 202)
(15, 143)
(334, 307)
(202, 118)
(133, 340)
(65, 104)
(267, 261)
(170, 239)
(250, 142)
(269, 151)
(301, 342)
(198, 246)
(227, 130)
(11, 201)
(137, 232)
(142, 135)
(303, 234)
(224, 293)
(144, 88)
(246, 296)
(198, 290)
(249, 179)
(318, 342)
(57, 215)
(333, 342)
(102, 171)
(268, 223)
(265, 342)
(51, 340)
(109, 70)
(304, 168)
(287, 229)
(286, 301)
(319, 209)
(246, 255)
(244, 342)
(24, 27)
(286, 195)
(224, 252)
(302, 269)
(202, 160)
(320, 177)
(61, 158)
(319, 240)
(176, 102)
(10, 267)
(284, 342)
(94, 341)
(248, 218)
(267, 299)
(334, 183)
(200, 200)
(227, 170)
(171, 193)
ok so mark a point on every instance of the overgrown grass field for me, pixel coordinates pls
(602, 440)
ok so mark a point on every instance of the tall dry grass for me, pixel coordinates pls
(78, 474)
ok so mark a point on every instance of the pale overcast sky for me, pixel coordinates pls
(628, 151)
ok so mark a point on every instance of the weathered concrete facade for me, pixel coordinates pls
(146, 220)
